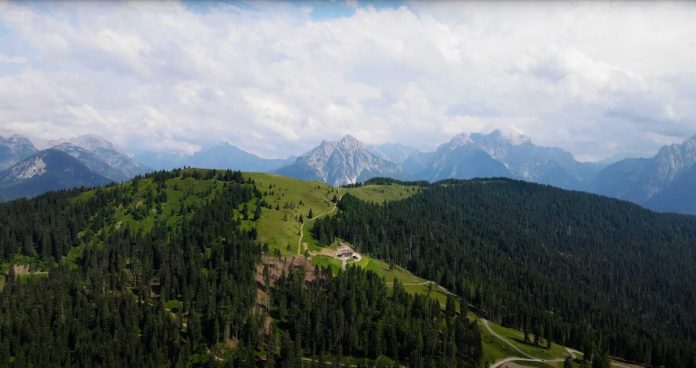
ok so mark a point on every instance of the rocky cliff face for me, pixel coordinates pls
(340, 162)
(653, 182)
(106, 152)
(45, 171)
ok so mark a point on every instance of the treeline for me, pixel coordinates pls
(354, 315)
(388, 181)
(586, 271)
(199, 174)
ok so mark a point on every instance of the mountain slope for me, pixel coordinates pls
(45, 171)
(340, 162)
(643, 180)
(167, 270)
(105, 151)
(527, 161)
(576, 268)
(678, 196)
(488, 155)
(14, 149)
(227, 156)
(93, 162)
(459, 159)
(394, 152)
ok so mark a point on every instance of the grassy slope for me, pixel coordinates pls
(383, 193)
(294, 197)
(517, 337)
(494, 349)
(279, 228)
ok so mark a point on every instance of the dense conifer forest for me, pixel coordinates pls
(162, 271)
(590, 272)
(353, 314)
(136, 299)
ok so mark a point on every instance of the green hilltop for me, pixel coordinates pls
(277, 211)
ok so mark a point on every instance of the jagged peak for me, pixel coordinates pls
(91, 142)
(15, 138)
(349, 139)
(351, 142)
(460, 139)
(504, 136)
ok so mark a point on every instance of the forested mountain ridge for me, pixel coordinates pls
(178, 255)
(584, 270)
(163, 271)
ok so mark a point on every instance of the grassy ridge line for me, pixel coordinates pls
(280, 228)
(288, 198)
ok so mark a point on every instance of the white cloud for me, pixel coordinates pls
(595, 78)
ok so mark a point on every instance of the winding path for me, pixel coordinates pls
(299, 241)
(528, 358)
(485, 323)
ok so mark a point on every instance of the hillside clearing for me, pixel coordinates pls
(383, 193)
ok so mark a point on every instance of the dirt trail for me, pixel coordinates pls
(529, 358)
(299, 241)
(485, 323)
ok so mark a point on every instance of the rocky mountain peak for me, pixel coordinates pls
(340, 162)
(501, 138)
(461, 139)
(92, 142)
(351, 142)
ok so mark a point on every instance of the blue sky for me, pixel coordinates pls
(275, 78)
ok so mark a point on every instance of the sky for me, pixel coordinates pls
(599, 79)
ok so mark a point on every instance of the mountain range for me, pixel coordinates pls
(465, 156)
(662, 183)
(47, 170)
(88, 160)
